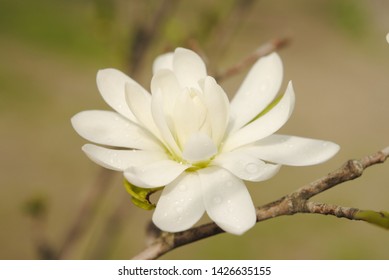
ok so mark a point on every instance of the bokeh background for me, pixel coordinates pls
(50, 51)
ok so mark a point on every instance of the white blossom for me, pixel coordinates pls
(188, 138)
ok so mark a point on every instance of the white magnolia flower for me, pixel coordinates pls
(186, 136)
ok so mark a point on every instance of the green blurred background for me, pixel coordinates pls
(50, 51)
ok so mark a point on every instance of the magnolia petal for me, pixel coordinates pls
(264, 125)
(139, 102)
(110, 83)
(188, 67)
(188, 115)
(166, 82)
(226, 200)
(164, 61)
(155, 174)
(257, 91)
(199, 147)
(110, 128)
(120, 160)
(245, 166)
(180, 205)
(292, 150)
(160, 120)
(216, 101)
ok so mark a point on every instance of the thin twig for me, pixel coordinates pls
(228, 26)
(328, 209)
(263, 50)
(295, 202)
(146, 33)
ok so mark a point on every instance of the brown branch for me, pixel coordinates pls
(144, 35)
(293, 203)
(334, 210)
(224, 32)
(263, 50)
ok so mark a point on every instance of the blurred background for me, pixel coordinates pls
(54, 202)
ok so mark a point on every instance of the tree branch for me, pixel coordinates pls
(293, 203)
(263, 50)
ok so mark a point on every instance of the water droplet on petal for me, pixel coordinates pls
(230, 207)
(265, 84)
(217, 199)
(251, 168)
(179, 210)
(182, 188)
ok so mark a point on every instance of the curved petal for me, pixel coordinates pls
(265, 125)
(110, 83)
(166, 82)
(155, 174)
(160, 120)
(292, 150)
(216, 101)
(199, 147)
(226, 200)
(188, 116)
(139, 102)
(245, 166)
(164, 61)
(259, 88)
(121, 159)
(180, 205)
(188, 67)
(110, 128)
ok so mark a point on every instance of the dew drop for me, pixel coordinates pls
(179, 210)
(182, 188)
(251, 168)
(217, 199)
(265, 84)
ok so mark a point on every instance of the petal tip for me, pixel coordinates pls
(238, 229)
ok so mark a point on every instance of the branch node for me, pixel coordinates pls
(355, 168)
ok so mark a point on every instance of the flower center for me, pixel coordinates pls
(191, 129)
